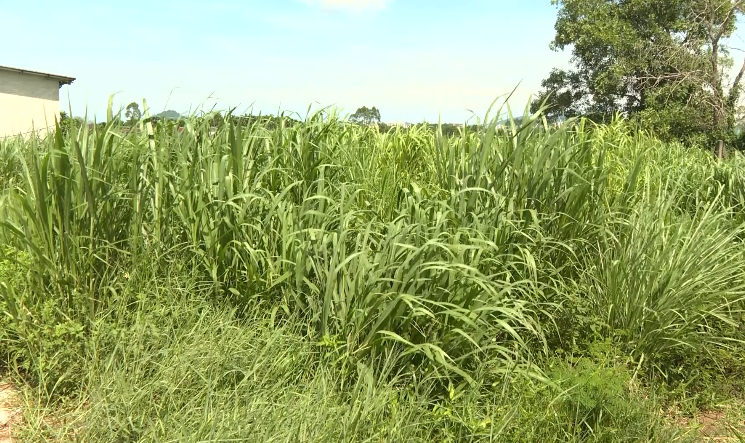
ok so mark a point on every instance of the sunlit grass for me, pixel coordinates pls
(466, 261)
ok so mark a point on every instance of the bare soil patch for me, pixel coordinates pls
(10, 411)
(722, 425)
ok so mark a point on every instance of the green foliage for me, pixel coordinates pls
(10, 164)
(650, 59)
(13, 265)
(593, 398)
(598, 398)
(69, 124)
(413, 265)
(37, 339)
(133, 113)
(365, 116)
(669, 114)
(180, 367)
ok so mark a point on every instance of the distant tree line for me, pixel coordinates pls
(363, 116)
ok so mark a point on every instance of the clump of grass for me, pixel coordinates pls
(179, 367)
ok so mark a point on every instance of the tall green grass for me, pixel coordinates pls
(187, 369)
(466, 258)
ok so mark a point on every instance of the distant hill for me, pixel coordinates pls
(169, 115)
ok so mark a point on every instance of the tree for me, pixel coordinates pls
(563, 92)
(647, 59)
(366, 116)
(67, 123)
(701, 61)
(133, 113)
(718, 18)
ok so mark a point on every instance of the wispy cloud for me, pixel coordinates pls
(348, 5)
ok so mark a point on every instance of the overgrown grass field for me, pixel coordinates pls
(322, 281)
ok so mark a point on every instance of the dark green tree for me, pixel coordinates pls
(366, 116)
(658, 61)
(68, 123)
(133, 113)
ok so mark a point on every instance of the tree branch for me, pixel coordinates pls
(735, 88)
(730, 15)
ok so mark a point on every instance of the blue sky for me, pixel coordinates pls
(413, 59)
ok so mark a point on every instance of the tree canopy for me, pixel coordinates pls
(366, 116)
(133, 113)
(662, 62)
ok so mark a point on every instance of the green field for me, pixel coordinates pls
(322, 281)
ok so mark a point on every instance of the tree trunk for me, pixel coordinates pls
(716, 83)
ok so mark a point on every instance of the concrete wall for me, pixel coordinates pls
(27, 102)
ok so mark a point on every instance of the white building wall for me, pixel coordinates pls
(28, 103)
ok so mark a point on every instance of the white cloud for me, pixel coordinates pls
(353, 5)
